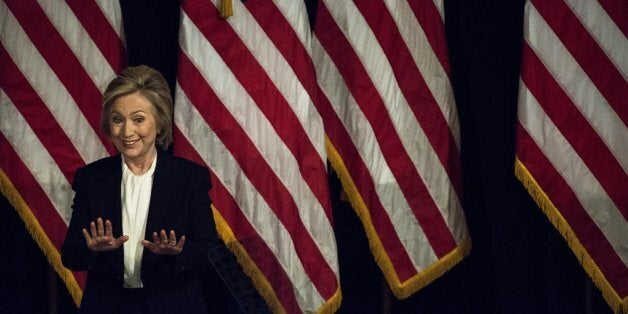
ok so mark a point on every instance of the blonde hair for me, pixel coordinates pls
(150, 84)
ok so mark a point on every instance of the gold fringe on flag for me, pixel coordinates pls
(555, 217)
(257, 277)
(226, 8)
(420, 280)
(40, 237)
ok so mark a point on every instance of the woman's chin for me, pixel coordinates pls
(135, 153)
(130, 152)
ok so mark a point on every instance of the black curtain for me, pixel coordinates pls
(519, 263)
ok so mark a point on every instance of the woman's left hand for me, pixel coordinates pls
(164, 245)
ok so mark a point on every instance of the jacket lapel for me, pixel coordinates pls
(156, 210)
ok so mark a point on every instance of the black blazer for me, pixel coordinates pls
(179, 202)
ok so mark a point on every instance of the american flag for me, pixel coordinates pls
(393, 133)
(245, 107)
(56, 59)
(572, 139)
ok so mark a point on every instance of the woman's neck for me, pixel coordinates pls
(140, 165)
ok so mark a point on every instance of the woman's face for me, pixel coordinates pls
(133, 127)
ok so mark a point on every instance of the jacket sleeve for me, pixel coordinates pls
(203, 233)
(75, 254)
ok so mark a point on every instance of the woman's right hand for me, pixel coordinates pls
(100, 238)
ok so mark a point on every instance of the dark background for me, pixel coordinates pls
(519, 263)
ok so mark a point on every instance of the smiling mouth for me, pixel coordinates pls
(129, 142)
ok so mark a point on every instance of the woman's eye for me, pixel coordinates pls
(139, 120)
(116, 120)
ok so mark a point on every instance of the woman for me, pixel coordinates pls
(141, 222)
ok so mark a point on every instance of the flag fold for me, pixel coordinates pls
(245, 108)
(56, 58)
(393, 134)
(572, 135)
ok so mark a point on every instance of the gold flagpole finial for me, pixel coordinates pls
(226, 8)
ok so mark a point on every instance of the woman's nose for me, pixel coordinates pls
(127, 129)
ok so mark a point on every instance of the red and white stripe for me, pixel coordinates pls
(572, 134)
(389, 113)
(245, 107)
(56, 59)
